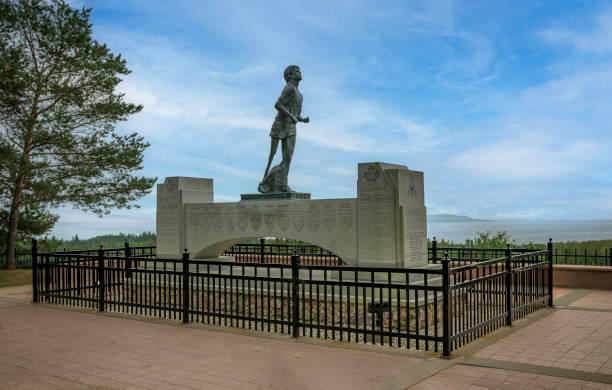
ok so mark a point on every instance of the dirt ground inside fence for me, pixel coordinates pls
(45, 346)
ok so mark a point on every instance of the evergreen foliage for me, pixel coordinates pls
(58, 111)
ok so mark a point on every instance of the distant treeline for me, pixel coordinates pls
(501, 239)
(483, 240)
(107, 241)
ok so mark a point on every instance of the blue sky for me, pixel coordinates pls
(505, 106)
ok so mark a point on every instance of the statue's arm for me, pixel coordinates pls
(280, 107)
(280, 104)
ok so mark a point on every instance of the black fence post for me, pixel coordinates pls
(262, 249)
(295, 284)
(185, 286)
(47, 269)
(446, 305)
(128, 261)
(34, 270)
(100, 279)
(550, 272)
(434, 250)
(508, 286)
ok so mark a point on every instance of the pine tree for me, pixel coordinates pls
(58, 111)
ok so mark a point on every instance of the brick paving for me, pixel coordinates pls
(559, 292)
(42, 347)
(569, 339)
(461, 377)
(600, 299)
(48, 348)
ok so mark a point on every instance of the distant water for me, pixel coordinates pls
(524, 231)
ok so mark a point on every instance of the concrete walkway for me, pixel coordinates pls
(52, 347)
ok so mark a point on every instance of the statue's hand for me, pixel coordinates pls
(305, 120)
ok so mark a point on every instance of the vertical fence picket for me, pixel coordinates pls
(185, 287)
(434, 250)
(446, 307)
(101, 279)
(47, 269)
(34, 271)
(508, 289)
(550, 272)
(295, 299)
(262, 250)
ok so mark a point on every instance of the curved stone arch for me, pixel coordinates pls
(213, 250)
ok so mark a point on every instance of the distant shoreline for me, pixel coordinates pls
(454, 218)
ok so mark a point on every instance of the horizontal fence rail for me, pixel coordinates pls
(467, 255)
(313, 255)
(436, 308)
(24, 259)
(281, 254)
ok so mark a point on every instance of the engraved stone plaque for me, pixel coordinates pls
(283, 220)
(329, 218)
(415, 236)
(228, 218)
(376, 215)
(313, 220)
(243, 219)
(298, 220)
(255, 219)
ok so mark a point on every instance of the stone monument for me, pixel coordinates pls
(384, 226)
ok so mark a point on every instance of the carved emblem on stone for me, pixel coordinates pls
(193, 223)
(243, 220)
(229, 220)
(329, 218)
(345, 220)
(255, 219)
(283, 221)
(217, 221)
(170, 186)
(298, 220)
(204, 221)
(313, 219)
(371, 174)
(412, 188)
(269, 219)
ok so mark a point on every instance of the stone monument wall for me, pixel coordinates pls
(384, 226)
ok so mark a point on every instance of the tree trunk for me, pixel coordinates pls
(12, 226)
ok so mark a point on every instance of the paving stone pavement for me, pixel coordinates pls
(600, 299)
(462, 377)
(50, 348)
(47, 347)
(569, 339)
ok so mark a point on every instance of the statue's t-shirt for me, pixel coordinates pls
(291, 99)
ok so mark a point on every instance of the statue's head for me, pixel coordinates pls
(292, 72)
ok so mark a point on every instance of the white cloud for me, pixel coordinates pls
(589, 90)
(597, 39)
(523, 159)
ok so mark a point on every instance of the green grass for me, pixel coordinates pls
(15, 277)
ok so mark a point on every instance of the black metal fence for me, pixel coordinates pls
(281, 254)
(263, 252)
(466, 255)
(432, 308)
(24, 259)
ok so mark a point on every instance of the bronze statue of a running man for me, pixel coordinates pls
(289, 107)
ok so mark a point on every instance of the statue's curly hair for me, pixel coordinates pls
(288, 70)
